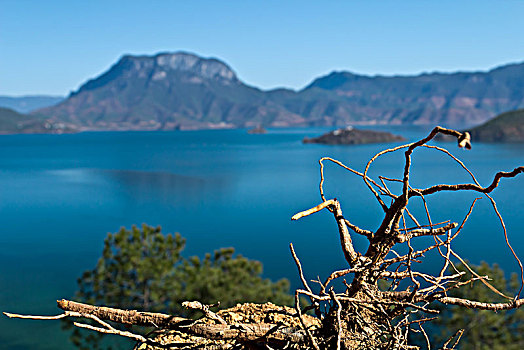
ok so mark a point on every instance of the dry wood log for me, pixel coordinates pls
(241, 331)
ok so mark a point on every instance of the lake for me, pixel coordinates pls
(61, 195)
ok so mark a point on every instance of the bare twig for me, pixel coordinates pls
(339, 322)
(313, 210)
(426, 232)
(457, 335)
(306, 329)
(470, 304)
(469, 187)
(196, 305)
(345, 239)
(56, 317)
(299, 267)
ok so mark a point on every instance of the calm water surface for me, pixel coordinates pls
(61, 194)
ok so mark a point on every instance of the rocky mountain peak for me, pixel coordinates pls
(207, 68)
(158, 66)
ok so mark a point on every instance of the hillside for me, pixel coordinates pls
(25, 104)
(12, 122)
(447, 99)
(184, 91)
(507, 127)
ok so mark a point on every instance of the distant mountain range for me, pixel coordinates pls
(25, 104)
(436, 98)
(183, 91)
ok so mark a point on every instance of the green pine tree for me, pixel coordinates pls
(484, 329)
(143, 269)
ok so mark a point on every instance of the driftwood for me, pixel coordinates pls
(363, 316)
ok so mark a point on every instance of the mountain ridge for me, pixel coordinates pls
(182, 90)
(420, 74)
(447, 98)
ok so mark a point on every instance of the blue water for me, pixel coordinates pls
(61, 194)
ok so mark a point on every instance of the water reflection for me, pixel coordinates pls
(164, 186)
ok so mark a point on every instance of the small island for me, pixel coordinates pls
(352, 136)
(506, 127)
(257, 130)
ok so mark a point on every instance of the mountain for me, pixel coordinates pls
(437, 98)
(168, 91)
(25, 104)
(507, 127)
(184, 91)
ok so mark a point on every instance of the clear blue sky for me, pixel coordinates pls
(52, 47)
